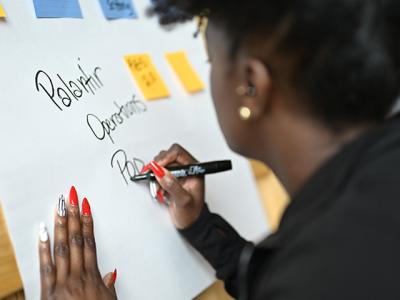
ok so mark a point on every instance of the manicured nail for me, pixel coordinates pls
(73, 197)
(114, 276)
(86, 208)
(157, 169)
(61, 209)
(145, 169)
(160, 196)
(43, 234)
(153, 189)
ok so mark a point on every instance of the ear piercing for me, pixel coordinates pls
(244, 113)
(249, 91)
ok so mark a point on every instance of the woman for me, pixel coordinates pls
(307, 87)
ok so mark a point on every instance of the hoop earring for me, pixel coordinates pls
(244, 113)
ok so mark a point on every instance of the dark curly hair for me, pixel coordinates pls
(348, 50)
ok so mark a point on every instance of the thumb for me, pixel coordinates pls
(109, 280)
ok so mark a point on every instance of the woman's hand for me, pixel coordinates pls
(186, 195)
(74, 273)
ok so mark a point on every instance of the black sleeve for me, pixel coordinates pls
(219, 244)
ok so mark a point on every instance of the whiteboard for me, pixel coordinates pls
(45, 150)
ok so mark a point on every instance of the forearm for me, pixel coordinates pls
(219, 244)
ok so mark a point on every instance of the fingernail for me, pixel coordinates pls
(114, 276)
(86, 208)
(145, 169)
(157, 169)
(153, 189)
(43, 234)
(73, 197)
(61, 210)
(160, 196)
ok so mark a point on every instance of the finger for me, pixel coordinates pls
(109, 280)
(89, 244)
(160, 155)
(74, 234)
(176, 153)
(47, 271)
(61, 247)
(170, 184)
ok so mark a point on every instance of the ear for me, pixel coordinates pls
(256, 89)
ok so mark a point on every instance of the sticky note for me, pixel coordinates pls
(2, 12)
(118, 9)
(147, 77)
(185, 72)
(57, 9)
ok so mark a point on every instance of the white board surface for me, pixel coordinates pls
(45, 150)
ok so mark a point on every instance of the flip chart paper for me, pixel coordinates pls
(118, 9)
(2, 12)
(147, 77)
(57, 9)
(93, 121)
(185, 71)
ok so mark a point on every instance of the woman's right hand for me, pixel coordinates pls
(186, 195)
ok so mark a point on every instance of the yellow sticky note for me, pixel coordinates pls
(2, 12)
(185, 72)
(147, 77)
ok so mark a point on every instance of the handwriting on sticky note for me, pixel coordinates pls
(185, 72)
(57, 9)
(118, 9)
(147, 77)
(2, 12)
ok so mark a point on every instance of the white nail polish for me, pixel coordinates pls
(153, 189)
(43, 234)
(61, 209)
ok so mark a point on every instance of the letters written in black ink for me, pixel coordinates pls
(118, 5)
(62, 91)
(102, 128)
(127, 168)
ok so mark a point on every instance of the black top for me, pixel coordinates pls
(338, 239)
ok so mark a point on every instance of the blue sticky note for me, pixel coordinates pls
(57, 9)
(118, 9)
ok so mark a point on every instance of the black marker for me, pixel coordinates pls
(198, 169)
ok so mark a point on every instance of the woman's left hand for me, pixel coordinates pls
(74, 273)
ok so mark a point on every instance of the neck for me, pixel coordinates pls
(299, 147)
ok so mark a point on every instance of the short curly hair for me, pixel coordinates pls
(349, 50)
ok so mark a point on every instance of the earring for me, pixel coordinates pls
(244, 113)
(246, 91)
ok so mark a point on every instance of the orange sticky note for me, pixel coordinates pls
(2, 12)
(185, 72)
(147, 77)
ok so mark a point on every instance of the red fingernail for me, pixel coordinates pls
(157, 169)
(145, 169)
(114, 276)
(86, 208)
(160, 196)
(73, 197)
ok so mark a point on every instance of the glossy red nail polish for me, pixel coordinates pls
(114, 276)
(145, 169)
(73, 197)
(157, 169)
(86, 208)
(160, 196)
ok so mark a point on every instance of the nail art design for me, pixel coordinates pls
(43, 234)
(61, 209)
(86, 208)
(157, 169)
(153, 189)
(114, 276)
(73, 197)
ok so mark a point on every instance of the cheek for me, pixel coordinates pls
(225, 103)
